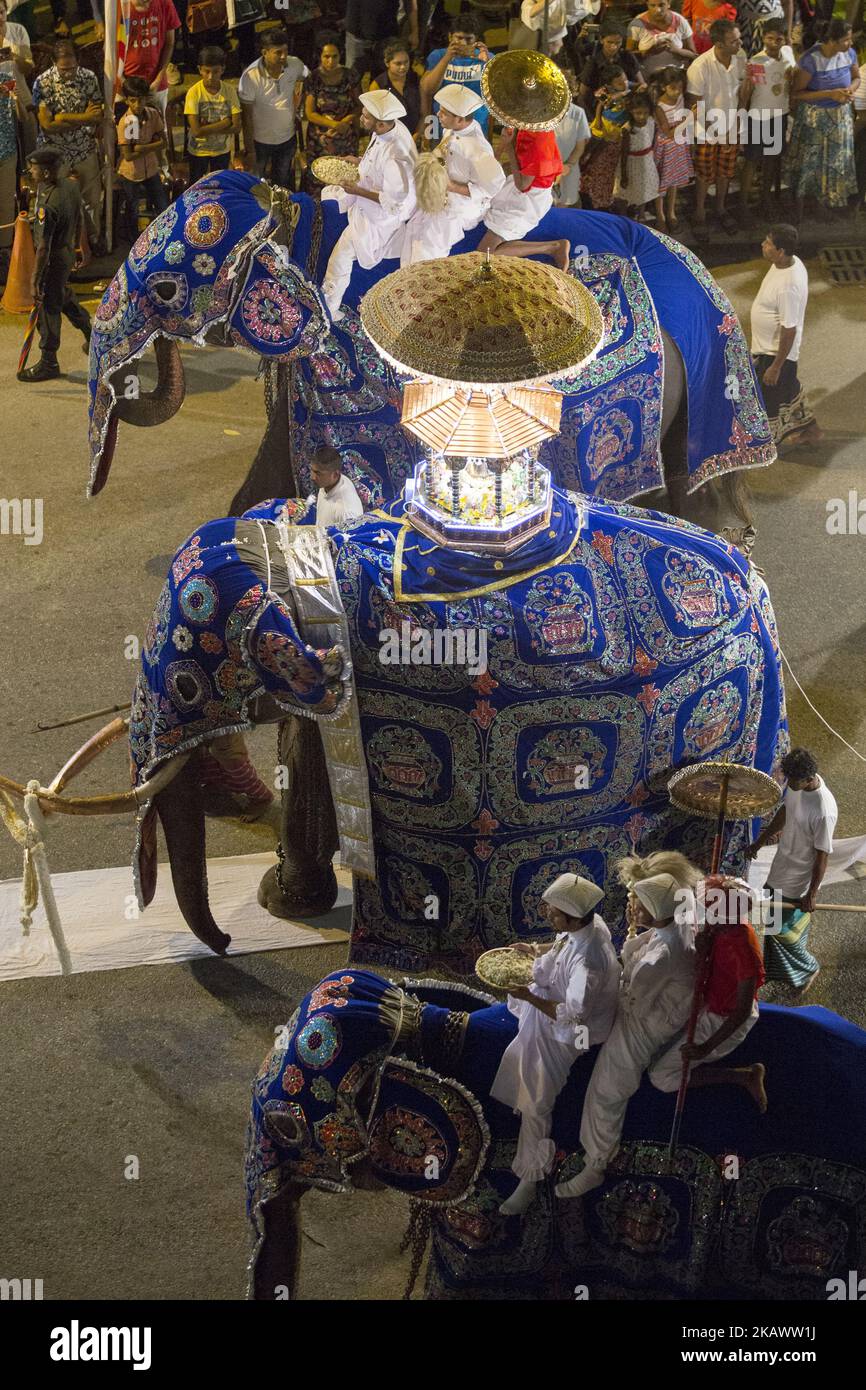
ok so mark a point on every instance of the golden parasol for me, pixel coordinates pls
(525, 90)
(483, 321)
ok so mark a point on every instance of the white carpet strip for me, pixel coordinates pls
(98, 911)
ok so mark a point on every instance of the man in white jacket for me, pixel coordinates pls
(658, 982)
(381, 201)
(475, 176)
(570, 1008)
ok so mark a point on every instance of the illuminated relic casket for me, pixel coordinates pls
(480, 336)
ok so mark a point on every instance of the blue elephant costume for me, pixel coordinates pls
(398, 1076)
(235, 255)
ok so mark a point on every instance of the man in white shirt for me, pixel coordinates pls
(778, 315)
(769, 72)
(379, 203)
(717, 90)
(336, 500)
(475, 176)
(655, 999)
(807, 820)
(570, 1007)
(270, 93)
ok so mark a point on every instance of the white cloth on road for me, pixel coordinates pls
(581, 972)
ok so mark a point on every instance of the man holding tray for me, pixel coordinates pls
(379, 203)
(569, 1008)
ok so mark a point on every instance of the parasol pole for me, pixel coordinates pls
(545, 28)
(703, 975)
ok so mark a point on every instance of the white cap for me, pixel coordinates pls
(383, 105)
(459, 100)
(658, 895)
(573, 895)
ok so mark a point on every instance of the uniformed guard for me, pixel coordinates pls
(57, 233)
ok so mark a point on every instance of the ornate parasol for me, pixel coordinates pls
(525, 90)
(483, 321)
(716, 791)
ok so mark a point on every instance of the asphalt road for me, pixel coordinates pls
(156, 1062)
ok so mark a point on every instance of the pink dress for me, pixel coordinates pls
(673, 158)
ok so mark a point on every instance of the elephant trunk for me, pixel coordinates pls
(136, 407)
(181, 810)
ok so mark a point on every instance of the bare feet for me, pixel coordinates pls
(804, 989)
(755, 1086)
(561, 254)
(810, 435)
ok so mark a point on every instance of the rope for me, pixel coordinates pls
(818, 713)
(28, 831)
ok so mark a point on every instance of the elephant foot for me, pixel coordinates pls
(309, 898)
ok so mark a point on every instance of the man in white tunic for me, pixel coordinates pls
(658, 982)
(337, 499)
(570, 1008)
(475, 176)
(379, 203)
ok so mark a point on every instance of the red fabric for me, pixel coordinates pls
(538, 154)
(145, 36)
(735, 956)
(700, 16)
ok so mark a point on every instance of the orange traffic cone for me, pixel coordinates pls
(18, 297)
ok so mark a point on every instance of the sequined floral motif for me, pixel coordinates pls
(279, 655)
(269, 312)
(188, 559)
(330, 994)
(199, 599)
(153, 239)
(203, 264)
(336, 1136)
(322, 1089)
(293, 1080)
(182, 638)
(156, 631)
(319, 1042)
(175, 252)
(402, 1140)
(202, 299)
(206, 226)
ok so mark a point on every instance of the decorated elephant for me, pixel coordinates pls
(374, 1083)
(609, 649)
(234, 261)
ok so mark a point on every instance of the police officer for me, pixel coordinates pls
(57, 232)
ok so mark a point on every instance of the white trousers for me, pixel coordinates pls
(534, 1068)
(339, 272)
(632, 1046)
(666, 1072)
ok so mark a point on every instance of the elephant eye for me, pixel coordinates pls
(166, 289)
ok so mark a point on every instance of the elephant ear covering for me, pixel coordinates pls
(212, 257)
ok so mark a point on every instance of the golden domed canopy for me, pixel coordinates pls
(525, 90)
(483, 321)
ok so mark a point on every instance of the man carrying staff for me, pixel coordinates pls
(731, 968)
(475, 176)
(379, 203)
(57, 234)
(806, 819)
(570, 1008)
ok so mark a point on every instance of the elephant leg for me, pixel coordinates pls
(278, 1266)
(272, 472)
(181, 810)
(303, 883)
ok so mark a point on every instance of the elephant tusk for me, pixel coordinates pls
(113, 804)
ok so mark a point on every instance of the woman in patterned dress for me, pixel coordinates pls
(330, 105)
(821, 152)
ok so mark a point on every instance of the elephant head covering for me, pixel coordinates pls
(213, 267)
(331, 1093)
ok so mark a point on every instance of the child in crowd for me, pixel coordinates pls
(611, 116)
(214, 115)
(140, 137)
(572, 138)
(701, 14)
(673, 157)
(769, 72)
(637, 179)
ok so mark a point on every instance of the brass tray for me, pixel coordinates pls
(504, 968)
